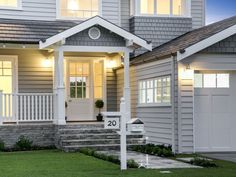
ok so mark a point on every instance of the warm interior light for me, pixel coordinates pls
(73, 5)
(47, 63)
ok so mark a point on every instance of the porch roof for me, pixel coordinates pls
(210, 33)
(30, 31)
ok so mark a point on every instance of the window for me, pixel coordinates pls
(6, 76)
(78, 9)
(79, 80)
(211, 80)
(147, 6)
(10, 3)
(160, 7)
(155, 91)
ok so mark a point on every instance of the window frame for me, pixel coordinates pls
(154, 103)
(136, 11)
(18, 7)
(59, 17)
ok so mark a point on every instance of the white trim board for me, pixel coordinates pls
(89, 23)
(207, 42)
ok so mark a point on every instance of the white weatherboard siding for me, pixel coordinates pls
(32, 10)
(125, 14)
(111, 10)
(198, 13)
(46, 10)
(206, 62)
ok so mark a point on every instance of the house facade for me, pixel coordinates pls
(59, 56)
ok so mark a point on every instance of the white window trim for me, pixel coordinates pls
(19, 6)
(58, 17)
(137, 11)
(162, 104)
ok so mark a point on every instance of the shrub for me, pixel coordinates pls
(23, 144)
(203, 162)
(132, 164)
(159, 150)
(2, 145)
(110, 158)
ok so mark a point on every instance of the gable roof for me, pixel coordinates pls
(97, 20)
(188, 39)
(30, 31)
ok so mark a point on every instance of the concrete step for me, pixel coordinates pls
(81, 126)
(85, 131)
(95, 136)
(99, 141)
(98, 147)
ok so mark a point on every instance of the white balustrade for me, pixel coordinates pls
(26, 107)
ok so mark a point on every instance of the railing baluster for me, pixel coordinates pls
(51, 98)
(43, 118)
(40, 108)
(24, 118)
(36, 107)
(32, 108)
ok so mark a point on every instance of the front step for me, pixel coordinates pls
(71, 138)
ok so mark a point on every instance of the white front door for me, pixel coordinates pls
(215, 111)
(80, 96)
(85, 84)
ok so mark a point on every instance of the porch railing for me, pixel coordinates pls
(26, 107)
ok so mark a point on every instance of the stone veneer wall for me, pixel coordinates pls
(42, 135)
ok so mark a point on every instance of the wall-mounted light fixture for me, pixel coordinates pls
(47, 63)
(111, 64)
(187, 72)
(72, 5)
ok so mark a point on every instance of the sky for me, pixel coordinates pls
(217, 10)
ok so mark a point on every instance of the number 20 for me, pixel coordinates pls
(111, 123)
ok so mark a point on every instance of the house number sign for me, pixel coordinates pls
(112, 123)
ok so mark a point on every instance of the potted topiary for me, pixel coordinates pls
(99, 104)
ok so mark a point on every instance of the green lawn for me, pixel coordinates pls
(60, 164)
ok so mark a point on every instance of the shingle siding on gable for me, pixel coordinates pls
(226, 46)
(159, 30)
(107, 38)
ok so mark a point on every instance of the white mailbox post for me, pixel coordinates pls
(117, 120)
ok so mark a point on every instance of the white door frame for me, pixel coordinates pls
(90, 60)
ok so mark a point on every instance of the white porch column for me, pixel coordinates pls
(127, 85)
(1, 114)
(59, 87)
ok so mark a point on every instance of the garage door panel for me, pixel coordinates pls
(202, 102)
(202, 131)
(215, 118)
(220, 104)
(220, 137)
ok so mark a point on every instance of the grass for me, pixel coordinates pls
(59, 164)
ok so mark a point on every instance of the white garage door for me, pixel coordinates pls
(215, 111)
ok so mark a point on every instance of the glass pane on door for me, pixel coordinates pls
(98, 80)
(79, 80)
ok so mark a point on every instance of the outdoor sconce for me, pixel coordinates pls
(111, 64)
(187, 73)
(47, 63)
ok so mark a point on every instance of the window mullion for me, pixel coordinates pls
(171, 7)
(155, 7)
